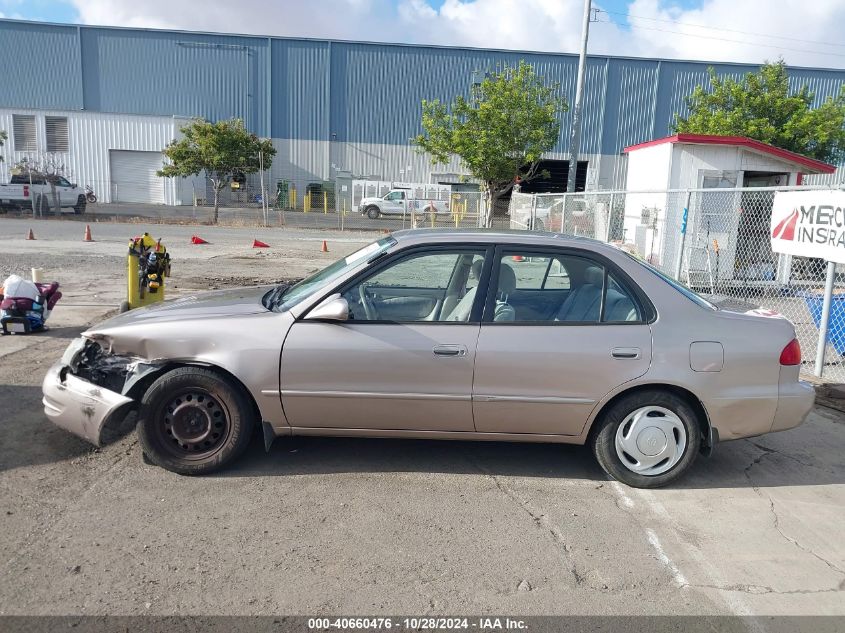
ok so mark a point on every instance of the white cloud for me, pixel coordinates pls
(545, 25)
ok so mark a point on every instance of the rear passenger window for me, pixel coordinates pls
(619, 305)
(534, 288)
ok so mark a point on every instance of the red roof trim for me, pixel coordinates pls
(740, 141)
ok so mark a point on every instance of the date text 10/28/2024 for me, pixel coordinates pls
(417, 623)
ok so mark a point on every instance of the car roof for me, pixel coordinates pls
(496, 236)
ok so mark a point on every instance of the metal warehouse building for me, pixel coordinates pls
(103, 102)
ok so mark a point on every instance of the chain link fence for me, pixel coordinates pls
(716, 241)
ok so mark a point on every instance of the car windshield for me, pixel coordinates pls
(281, 299)
(689, 294)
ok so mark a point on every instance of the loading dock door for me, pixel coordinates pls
(133, 177)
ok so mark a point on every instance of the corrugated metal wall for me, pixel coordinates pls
(317, 95)
(28, 78)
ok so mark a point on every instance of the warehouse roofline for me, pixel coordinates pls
(407, 45)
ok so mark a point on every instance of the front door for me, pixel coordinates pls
(404, 359)
(560, 332)
(394, 203)
(66, 193)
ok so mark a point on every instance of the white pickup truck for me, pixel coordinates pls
(24, 195)
(398, 202)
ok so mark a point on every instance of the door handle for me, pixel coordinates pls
(630, 353)
(450, 350)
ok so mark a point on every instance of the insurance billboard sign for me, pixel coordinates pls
(810, 224)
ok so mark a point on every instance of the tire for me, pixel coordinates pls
(194, 421)
(666, 420)
(79, 209)
(91, 198)
(373, 213)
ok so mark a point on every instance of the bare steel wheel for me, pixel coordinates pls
(651, 440)
(196, 425)
(647, 438)
(193, 421)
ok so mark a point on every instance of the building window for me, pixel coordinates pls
(23, 127)
(56, 127)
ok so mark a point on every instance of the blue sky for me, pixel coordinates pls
(751, 31)
(65, 11)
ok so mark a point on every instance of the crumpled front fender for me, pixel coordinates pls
(77, 405)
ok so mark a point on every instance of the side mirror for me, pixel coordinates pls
(334, 308)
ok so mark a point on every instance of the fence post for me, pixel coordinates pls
(680, 259)
(609, 217)
(824, 324)
(532, 222)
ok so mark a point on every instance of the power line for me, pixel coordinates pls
(725, 39)
(721, 29)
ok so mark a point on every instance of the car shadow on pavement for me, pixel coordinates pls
(807, 456)
(333, 455)
(27, 438)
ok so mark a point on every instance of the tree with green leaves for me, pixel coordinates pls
(218, 150)
(762, 106)
(500, 132)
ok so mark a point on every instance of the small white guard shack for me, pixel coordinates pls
(736, 221)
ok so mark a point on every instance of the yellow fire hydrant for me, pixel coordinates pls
(147, 268)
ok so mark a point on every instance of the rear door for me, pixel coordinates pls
(573, 338)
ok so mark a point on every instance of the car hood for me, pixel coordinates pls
(234, 302)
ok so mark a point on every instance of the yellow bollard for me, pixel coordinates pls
(293, 198)
(325, 203)
(307, 202)
(432, 218)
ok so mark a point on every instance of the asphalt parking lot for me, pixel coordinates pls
(353, 526)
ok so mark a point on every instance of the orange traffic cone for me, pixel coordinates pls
(324, 248)
(259, 244)
(30, 235)
(87, 237)
(195, 239)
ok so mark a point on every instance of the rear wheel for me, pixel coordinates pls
(194, 421)
(647, 439)
(373, 213)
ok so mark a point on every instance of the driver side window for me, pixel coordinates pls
(433, 286)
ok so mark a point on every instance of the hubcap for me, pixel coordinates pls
(194, 424)
(651, 440)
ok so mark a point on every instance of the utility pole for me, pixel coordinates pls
(575, 138)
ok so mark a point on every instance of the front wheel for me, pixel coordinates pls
(194, 421)
(647, 439)
(373, 213)
(79, 207)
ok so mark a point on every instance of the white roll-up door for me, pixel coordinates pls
(133, 177)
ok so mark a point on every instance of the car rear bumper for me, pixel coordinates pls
(795, 401)
(77, 405)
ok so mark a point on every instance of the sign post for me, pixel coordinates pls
(812, 224)
(824, 324)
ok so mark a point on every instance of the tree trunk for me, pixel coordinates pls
(56, 203)
(216, 213)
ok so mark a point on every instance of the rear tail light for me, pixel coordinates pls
(791, 354)
(26, 191)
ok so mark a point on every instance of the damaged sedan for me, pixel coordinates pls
(467, 335)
